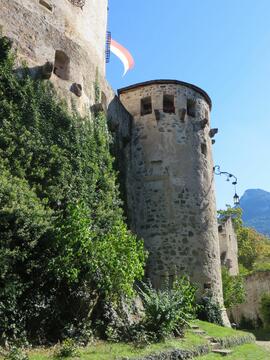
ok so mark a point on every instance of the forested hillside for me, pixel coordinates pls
(256, 210)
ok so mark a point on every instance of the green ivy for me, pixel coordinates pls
(64, 243)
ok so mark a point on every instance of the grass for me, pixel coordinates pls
(113, 351)
(216, 331)
(243, 352)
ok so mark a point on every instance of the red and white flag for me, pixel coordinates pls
(123, 54)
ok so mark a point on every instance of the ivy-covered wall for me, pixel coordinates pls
(64, 244)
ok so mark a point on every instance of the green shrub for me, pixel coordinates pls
(265, 309)
(16, 354)
(68, 348)
(233, 289)
(209, 310)
(169, 310)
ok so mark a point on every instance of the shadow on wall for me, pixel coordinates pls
(120, 125)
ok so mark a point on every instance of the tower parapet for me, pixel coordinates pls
(170, 182)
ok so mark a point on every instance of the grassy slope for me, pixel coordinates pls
(111, 351)
(243, 352)
(216, 331)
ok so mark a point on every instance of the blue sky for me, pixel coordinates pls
(223, 46)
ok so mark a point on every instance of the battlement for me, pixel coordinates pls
(163, 82)
(166, 98)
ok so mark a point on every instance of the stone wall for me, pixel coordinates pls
(170, 182)
(228, 246)
(256, 285)
(39, 28)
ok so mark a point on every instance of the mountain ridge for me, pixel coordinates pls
(256, 210)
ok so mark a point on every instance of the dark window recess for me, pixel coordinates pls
(207, 285)
(46, 4)
(204, 149)
(182, 114)
(146, 106)
(191, 108)
(168, 104)
(157, 114)
(61, 65)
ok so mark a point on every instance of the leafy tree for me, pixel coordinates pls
(233, 289)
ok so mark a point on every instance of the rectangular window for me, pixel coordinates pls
(61, 65)
(168, 104)
(191, 107)
(146, 106)
(46, 4)
(204, 149)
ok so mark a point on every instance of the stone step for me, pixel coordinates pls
(215, 345)
(223, 352)
(195, 327)
(198, 332)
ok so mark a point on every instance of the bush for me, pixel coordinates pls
(233, 289)
(265, 309)
(67, 349)
(209, 310)
(16, 354)
(167, 311)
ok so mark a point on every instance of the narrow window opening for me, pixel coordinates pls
(204, 149)
(191, 108)
(168, 104)
(207, 286)
(206, 114)
(61, 65)
(103, 100)
(146, 106)
(46, 4)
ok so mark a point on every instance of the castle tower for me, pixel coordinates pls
(170, 181)
(69, 34)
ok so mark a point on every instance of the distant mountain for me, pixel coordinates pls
(256, 210)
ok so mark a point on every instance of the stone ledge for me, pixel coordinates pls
(230, 341)
(175, 354)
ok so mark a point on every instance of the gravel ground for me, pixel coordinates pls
(265, 344)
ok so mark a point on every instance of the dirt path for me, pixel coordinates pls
(265, 344)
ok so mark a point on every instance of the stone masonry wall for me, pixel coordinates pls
(256, 285)
(170, 184)
(80, 33)
(228, 246)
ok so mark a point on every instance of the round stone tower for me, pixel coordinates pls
(63, 40)
(170, 182)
